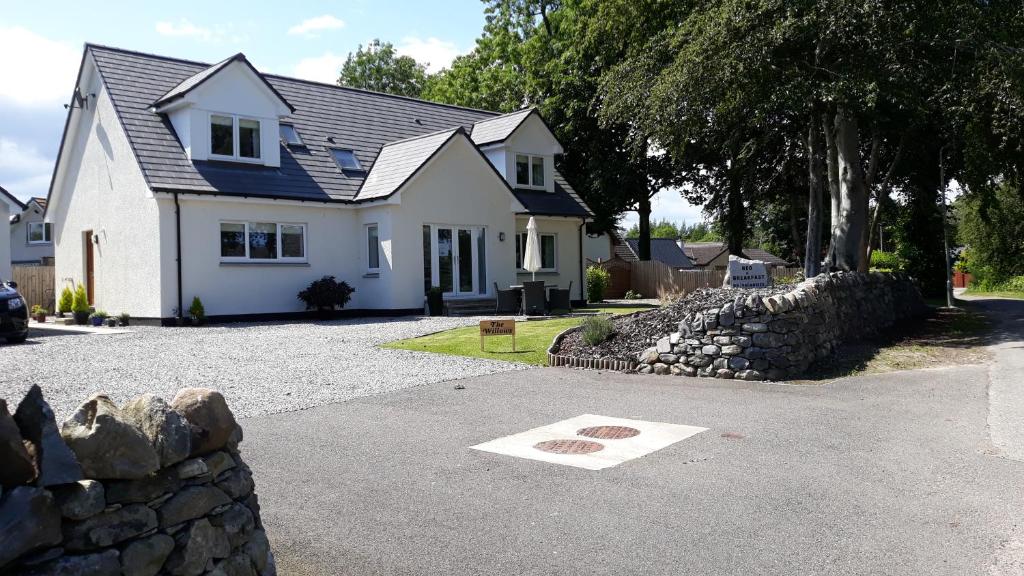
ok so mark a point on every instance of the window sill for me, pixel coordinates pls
(237, 159)
(265, 264)
(371, 275)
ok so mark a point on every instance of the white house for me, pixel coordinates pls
(8, 205)
(31, 237)
(178, 179)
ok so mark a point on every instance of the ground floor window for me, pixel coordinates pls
(262, 241)
(548, 252)
(372, 248)
(39, 233)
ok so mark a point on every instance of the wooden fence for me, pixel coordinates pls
(36, 284)
(653, 279)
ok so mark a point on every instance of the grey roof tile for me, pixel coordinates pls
(498, 128)
(664, 250)
(398, 161)
(356, 119)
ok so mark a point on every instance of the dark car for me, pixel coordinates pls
(13, 313)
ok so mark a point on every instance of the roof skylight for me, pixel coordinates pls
(346, 159)
(290, 136)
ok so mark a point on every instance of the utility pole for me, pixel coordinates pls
(945, 232)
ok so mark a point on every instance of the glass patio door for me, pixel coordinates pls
(456, 259)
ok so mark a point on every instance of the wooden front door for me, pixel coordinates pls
(90, 284)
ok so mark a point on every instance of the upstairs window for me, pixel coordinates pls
(234, 137)
(346, 159)
(530, 171)
(39, 233)
(289, 136)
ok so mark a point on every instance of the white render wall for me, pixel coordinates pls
(5, 242)
(597, 247)
(567, 251)
(259, 288)
(103, 190)
(21, 250)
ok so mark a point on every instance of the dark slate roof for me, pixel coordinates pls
(11, 197)
(398, 161)
(188, 84)
(355, 119)
(499, 128)
(664, 250)
(704, 252)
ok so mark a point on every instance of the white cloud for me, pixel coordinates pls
(184, 29)
(36, 71)
(310, 26)
(668, 205)
(433, 52)
(19, 159)
(323, 68)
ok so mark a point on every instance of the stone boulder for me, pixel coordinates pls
(196, 546)
(238, 523)
(100, 564)
(107, 445)
(18, 466)
(29, 520)
(81, 500)
(109, 528)
(143, 490)
(166, 430)
(55, 462)
(192, 502)
(211, 420)
(146, 556)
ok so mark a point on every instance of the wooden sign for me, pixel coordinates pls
(498, 328)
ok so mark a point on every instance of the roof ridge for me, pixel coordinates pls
(420, 136)
(291, 78)
(500, 116)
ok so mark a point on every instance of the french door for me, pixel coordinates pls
(456, 259)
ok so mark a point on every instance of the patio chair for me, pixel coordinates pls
(507, 300)
(559, 299)
(534, 302)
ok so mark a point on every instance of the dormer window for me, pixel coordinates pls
(346, 159)
(234, 138)
(530, 170)
(289, 136)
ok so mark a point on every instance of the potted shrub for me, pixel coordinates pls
(326, 294)
(435, 300)
(111, 322)
(66, 302)
(97, 318)
(80, 306)
(39, 313)
(196, 312)
(123, 319)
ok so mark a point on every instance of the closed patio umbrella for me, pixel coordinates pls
(531, 257)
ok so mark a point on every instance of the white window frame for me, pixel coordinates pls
(366, 235)
(529, 170)
(235, 141)
(47, 234)
(522, 239)
(281, 126)
(280, 259)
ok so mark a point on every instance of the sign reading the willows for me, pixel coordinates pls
(498, 328)
(743, 273)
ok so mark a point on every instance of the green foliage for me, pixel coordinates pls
(699, 232)
(597, 329)
(196, 310)
(326, 294)
(633, 295)
(378, 67)
(597, 282)
(67, 300)
(80, 303)
(37, 310)
(101, 314)
(992, 228)
(887, 261)
(124, 318)
(917, 235)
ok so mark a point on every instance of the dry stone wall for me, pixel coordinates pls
(142, 489)
(773, 338)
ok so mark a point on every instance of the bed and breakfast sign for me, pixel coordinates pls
(498, 328)
(743, 273)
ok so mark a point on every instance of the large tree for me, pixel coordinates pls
(378, 67)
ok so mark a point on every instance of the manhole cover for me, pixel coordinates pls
(569, 446)
(608, 432)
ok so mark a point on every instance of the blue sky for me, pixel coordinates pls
(42, 43)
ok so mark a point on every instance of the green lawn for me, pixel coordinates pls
(997, 294)
(532, 340)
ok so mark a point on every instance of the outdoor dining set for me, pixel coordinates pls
(533, 298)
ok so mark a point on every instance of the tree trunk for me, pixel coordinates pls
(735, 218)
(644, 211)
(832, 161)
(853, 200)
(815, 175)
(882, 196)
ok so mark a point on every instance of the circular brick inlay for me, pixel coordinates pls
(569, 446)
(608, 432)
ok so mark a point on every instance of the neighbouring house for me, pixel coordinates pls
(178, 179)
(8, 205)
(31, 237)
(715, 255)
(665, 250)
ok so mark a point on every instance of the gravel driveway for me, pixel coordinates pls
(261, 368)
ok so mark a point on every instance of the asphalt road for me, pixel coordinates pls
(881, 474)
